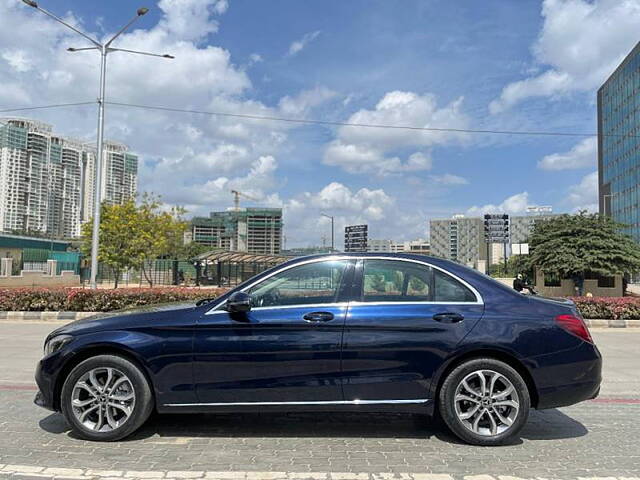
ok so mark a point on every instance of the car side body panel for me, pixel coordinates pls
(562, 368)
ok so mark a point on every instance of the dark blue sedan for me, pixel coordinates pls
(357, 332)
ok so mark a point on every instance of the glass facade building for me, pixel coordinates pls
(619, 144)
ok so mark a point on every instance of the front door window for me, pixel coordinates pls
(310, 284)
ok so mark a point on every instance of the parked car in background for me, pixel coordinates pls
(347, 332)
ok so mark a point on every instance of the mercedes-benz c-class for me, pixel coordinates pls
(347, 332)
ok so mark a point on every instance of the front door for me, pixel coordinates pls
(407, 319)
(286, 349)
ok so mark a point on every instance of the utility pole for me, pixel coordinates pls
(332, 231)
(104, 49)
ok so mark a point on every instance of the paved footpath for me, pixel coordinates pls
(593, 439)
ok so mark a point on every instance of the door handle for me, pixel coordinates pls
(448, 317)
(318, 316)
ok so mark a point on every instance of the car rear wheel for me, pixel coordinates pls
(106, 398)
(484, 402)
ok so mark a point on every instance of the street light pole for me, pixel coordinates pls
(332, 235)
(104, 49)
(97, 188)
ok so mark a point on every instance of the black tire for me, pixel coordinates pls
(464, 430)
(141, 409)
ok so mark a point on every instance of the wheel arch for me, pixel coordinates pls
(496, 354)
(93, 351)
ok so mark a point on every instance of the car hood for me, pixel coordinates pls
(126, 318)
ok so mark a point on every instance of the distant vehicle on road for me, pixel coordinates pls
(347, 332)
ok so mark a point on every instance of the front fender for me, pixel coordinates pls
(165, 360)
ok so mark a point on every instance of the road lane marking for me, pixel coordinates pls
(94, 474)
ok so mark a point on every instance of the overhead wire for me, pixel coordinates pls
(331, 123)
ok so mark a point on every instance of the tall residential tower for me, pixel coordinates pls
(46, 180)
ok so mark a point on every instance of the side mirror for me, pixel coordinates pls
(238, 302)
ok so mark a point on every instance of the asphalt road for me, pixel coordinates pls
(593, 439)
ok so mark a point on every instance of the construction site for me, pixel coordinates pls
(248, 230)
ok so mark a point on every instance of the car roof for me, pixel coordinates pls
(407, 256)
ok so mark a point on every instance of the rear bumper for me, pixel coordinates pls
(561, 384)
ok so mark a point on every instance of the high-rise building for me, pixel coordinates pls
(119, 180)
(521, 226)
(619, 144)
(463, 238)
(251, 230)
(46, 180)
(460, 239)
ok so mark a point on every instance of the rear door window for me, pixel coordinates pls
(396, 281)
(448, 289)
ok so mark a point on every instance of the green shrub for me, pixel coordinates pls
(85, 300)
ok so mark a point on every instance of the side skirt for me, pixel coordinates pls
(408, 406)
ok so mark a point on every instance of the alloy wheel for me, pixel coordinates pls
(486, 402)
(103, 399)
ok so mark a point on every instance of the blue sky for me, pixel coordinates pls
(518, 65)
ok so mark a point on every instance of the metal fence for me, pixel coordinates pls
(224, 269)
(36, 259)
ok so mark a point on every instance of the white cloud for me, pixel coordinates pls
(189, 159)
(191, 19)
(255, 58)
(584, 196)
(298, 45)
(581, 155)
(580, 45)
(212, 193)
(449, 179)
(18, 60)
(302, 103)
(371, 204)
(514, 204)
(374, 207)
(368, 150)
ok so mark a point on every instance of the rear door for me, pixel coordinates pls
(407, 318)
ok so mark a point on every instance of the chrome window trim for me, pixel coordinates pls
(479, 300)
(325, 402)
(310, 305)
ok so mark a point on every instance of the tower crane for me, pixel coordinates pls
(236, 198)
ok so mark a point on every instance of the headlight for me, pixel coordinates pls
(56, 343)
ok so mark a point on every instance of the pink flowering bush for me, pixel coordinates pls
(85, 300)
(609, 308)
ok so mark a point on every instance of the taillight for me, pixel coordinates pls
(574, 325)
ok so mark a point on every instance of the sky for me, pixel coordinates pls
(520, 65)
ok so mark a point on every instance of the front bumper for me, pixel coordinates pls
(41, 401)
(46, 387)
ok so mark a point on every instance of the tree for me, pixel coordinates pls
(515, 264)
(133, 236)
(572, 245)
(119, 229)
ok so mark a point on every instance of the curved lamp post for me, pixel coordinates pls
(104, 49)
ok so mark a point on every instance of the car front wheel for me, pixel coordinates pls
(484, 402)
(106, 398)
